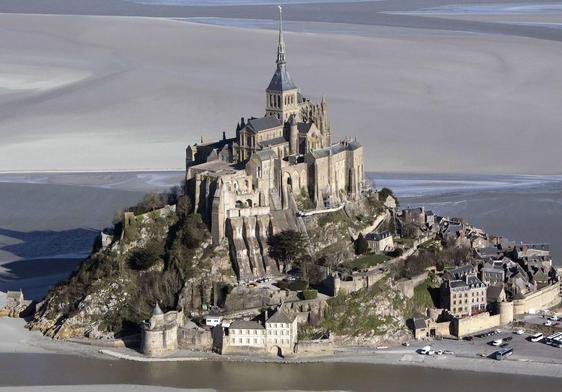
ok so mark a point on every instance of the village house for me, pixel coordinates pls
(465, 296)
(493, 273)
(380, 242)
(277, 336)
(416, 222)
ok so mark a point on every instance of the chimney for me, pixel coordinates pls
(223, 135)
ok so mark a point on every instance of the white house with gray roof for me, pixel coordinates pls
(278, 335)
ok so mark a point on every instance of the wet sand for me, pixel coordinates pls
(117, 97)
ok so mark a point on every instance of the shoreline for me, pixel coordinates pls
(23, 341)
(455, 363)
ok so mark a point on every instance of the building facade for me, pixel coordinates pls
(465, 296)
(380, 242)
(278, 335)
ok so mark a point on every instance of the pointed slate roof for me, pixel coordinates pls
(157, 311)
(281, 80)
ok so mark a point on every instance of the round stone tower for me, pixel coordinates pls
(293, 135)
(506, 312)
(152, 334)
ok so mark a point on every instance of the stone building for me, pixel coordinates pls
(167, 332)
(14, 300)
(160, 334)
(465, 296)
(277, 336)
(244, 186)
(380, 242)
(493, 273)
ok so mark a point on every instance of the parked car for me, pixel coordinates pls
(504, 345)
(554, 318)
(406, 344)
(507, 339)
(424, 350)
(448, 352)
(469, 338)
(519, 332)
(548, 323)
(497, 342)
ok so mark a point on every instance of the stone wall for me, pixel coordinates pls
(541, 299)
(354, 282)
(195, 339)
(407, 286)
(315, 347)
(469, 325)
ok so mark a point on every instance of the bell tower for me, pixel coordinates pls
(281, 94)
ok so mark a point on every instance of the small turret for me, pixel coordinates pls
(157, 311)
(156, 318)
(293, 135)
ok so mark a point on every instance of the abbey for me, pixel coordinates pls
(239, 184)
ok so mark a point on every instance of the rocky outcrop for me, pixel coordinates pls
(370, 316)
(108, 295)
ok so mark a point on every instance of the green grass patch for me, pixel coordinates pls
(366, 261)
(335, 217)
(422, 297)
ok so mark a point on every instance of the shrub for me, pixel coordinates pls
(283, 285)
(147, 256)
(385, 192)
(310, 294)
(396, 252)
(287, 246)
(193, 231)
(298, 285)
(361, 245)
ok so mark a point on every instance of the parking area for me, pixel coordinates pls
(550, 321)
(523, 348)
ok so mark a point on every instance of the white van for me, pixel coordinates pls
(536, 337)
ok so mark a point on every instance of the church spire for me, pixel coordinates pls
(281, 46)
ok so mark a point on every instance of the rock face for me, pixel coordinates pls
(369, 316)
(108, 294)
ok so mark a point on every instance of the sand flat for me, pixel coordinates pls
(155, 85)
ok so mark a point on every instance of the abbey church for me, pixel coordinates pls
(245, 186)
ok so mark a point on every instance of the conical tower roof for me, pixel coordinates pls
(281, 80)
(157, 311)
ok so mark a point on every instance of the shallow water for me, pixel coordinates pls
(48, 369)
